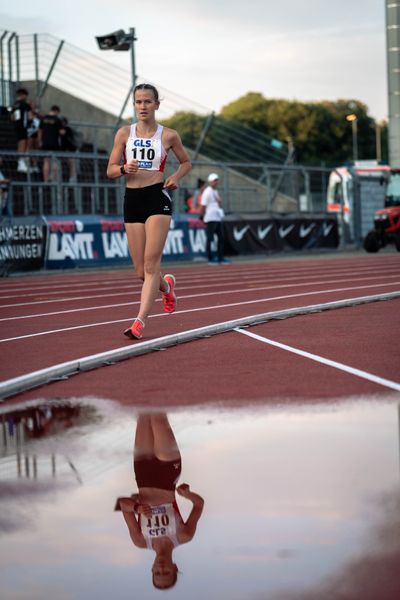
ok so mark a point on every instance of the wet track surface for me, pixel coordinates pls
(300, 503)
(289, 430)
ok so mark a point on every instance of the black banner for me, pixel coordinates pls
(283, 233)
(22, 243)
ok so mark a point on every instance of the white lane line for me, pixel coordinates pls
(325, 361)
(216, 293)
(136, 288)
(207, 273)
(198, 309)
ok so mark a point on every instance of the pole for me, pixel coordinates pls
(133, 39)
(355, 140)
(378, 142)
(18, 68)
(10, 65)
(133, 68)
(36, 55)
(53, 64)
(3, 94)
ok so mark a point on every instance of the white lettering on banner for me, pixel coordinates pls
(174, 243)
(262, 232)
(67, 245)
(20, 252)
(115, 244)
(198, 240)
(283, 231)
(326, 228)
(305, 230)
(21, 232)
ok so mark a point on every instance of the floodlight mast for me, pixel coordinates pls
(120, 41)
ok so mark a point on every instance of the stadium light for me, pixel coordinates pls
(352, 118)
(120, 41)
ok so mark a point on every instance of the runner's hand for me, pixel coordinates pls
(171, 183)
(183, 490)
(131, 167)
(144, 509)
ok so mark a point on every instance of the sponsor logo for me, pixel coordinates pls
(174, 243)
(239, 234)
(115, 244)
(284, 231)
(141, 142)
(145, 164)
(305, 230)
(166, 208)
(197, 240)
(262, 232)
(326, 229)
(68, 245)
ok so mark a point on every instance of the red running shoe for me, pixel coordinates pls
(135, 332)
(169, 299)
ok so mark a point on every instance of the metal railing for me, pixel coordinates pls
(78, 184)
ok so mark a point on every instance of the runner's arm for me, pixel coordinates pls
(185, 165)
(128, 510)
(196, 512)
(114, 162)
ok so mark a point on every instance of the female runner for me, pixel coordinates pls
(152, 515)
(143, 147)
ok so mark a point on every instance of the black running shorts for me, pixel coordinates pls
(142, 203)
(150, 471)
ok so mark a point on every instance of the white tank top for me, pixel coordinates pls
(150, 152)
(162, 523)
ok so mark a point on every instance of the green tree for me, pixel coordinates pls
(319, 130)
(189, 125)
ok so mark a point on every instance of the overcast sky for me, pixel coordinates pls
(213, 52)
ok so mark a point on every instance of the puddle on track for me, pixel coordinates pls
(299, 502)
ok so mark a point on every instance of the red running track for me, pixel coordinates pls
(50, 319)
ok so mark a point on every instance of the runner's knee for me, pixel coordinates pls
(151, 265)
(139, 271)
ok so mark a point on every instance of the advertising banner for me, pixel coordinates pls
(90, 240)
(86, 241)
(22, 243)
(284, 233)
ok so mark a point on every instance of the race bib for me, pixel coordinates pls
(146, 151)
(161, 522)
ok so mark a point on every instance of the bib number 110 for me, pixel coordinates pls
(143, 153)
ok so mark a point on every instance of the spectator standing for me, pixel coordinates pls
(194, 202)
(50, 130)
(33, 138)
(68, 144)
(21, 114)
(213, 216)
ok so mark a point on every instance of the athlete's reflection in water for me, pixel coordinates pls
(152, 515)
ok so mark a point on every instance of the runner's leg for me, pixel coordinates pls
(165, 444)
(136, 235)
(156, 231)
(144, 439)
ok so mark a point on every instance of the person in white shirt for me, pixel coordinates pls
(213, 215)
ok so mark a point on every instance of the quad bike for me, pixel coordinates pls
(387, 220)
